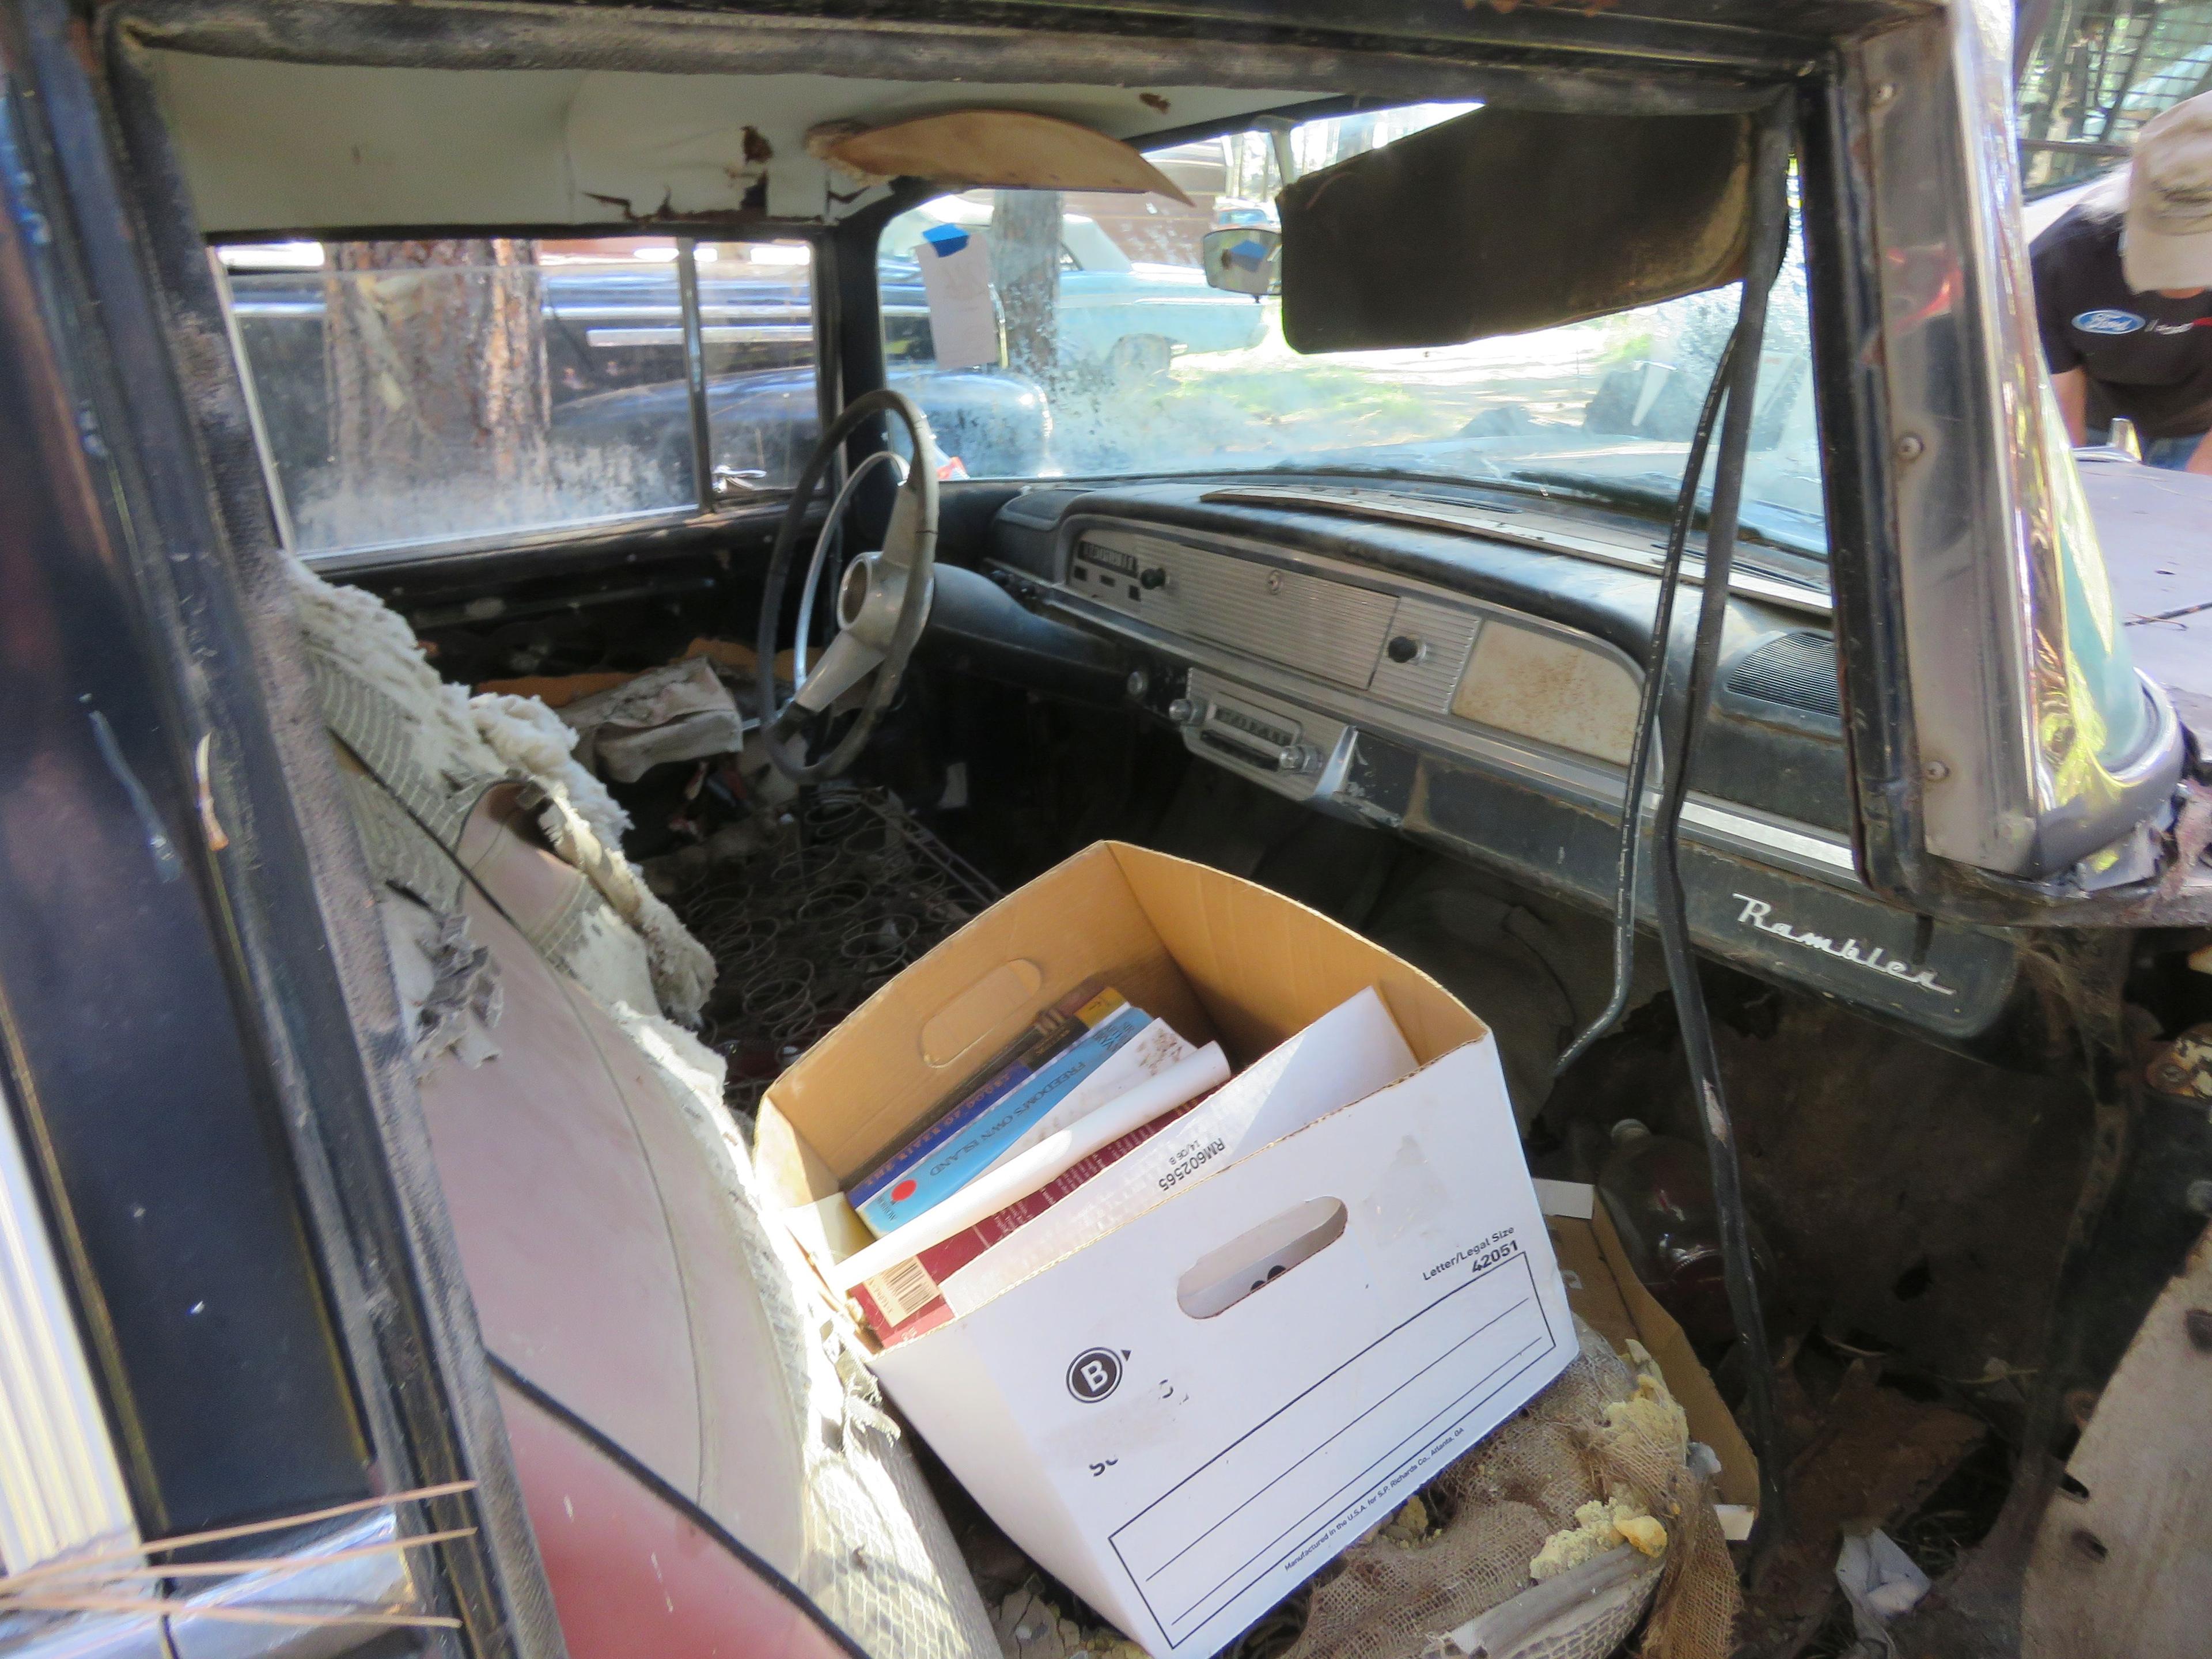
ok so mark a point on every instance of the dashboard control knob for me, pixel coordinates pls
(1153, 577)
(1301, 758)
(1184, 712)
(1404, 647)
(1138, 683)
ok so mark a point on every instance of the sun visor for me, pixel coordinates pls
(1008, 148)
(1506, 221)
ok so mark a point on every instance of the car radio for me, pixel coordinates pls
(1292, 752)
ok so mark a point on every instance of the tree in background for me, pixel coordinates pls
(1025, 228)
(434, 359)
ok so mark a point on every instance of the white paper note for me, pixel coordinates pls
(956, 274)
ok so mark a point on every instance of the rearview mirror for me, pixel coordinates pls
(1244, 259)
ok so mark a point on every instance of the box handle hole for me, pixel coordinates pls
(1255, 1259)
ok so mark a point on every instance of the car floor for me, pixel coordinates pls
(1915, 1202)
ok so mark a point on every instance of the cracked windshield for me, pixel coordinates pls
(1074, 334)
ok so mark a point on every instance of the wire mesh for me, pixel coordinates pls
(2098, 70)
(816, 921)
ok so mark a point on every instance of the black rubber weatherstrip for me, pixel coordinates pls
(1647, 716)
(1770, 227)
(676, 1500)
(1733, 384)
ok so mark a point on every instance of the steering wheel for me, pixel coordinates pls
(883, 598)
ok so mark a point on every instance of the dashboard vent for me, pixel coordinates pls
(1790, 671)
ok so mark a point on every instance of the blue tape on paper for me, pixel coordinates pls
(946, 240)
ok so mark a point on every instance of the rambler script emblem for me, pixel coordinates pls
(1872, 958)
(2108, 322)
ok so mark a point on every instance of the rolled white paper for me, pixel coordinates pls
(1019, 1177)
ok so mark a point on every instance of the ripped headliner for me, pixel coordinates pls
(271, 146)
(314, 115)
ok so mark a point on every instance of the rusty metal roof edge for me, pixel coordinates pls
(1539, 53)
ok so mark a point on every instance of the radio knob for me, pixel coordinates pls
(1301, 758)
(1184, 712)
(1153, 577)
(1402, 648)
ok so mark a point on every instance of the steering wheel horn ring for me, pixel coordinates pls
(883, 598)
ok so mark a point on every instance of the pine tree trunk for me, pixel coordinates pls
(1025, 265)
(435, 353)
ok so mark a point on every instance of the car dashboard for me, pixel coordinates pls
(1466, 671)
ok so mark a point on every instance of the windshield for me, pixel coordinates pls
(1100, 300)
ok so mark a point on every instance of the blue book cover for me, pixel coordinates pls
(1053, 1032)
(940, 1171)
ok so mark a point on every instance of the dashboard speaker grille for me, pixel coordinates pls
(1792, 671)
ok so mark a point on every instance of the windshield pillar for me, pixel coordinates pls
(2032, 744)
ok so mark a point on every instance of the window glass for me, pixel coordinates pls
(757, 312)
(425, 392)
(1143, 368)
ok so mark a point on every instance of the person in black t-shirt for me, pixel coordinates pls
(2124, 295)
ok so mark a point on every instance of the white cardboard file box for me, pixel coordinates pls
(1187, 1418)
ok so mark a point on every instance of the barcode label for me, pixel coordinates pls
(903, 1291)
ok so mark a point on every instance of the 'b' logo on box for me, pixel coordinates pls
(1096, 1373)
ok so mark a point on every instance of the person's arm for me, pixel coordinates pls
(2072, 387)
(2200, 459)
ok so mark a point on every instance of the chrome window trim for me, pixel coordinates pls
(368, 556)
(689, 331)
(1985, 489)
(379, 1578)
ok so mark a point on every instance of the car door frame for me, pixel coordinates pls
(267, 850)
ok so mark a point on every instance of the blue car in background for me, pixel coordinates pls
(1128, 317)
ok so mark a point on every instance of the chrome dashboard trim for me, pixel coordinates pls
(1801, 848)
(1625, 550)
(1428, 594)
(1260, 607)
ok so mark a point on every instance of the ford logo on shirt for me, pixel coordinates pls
(2108, 322)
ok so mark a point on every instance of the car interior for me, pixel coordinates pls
(653, 390)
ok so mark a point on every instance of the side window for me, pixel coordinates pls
(756, 315)
(419, 392)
